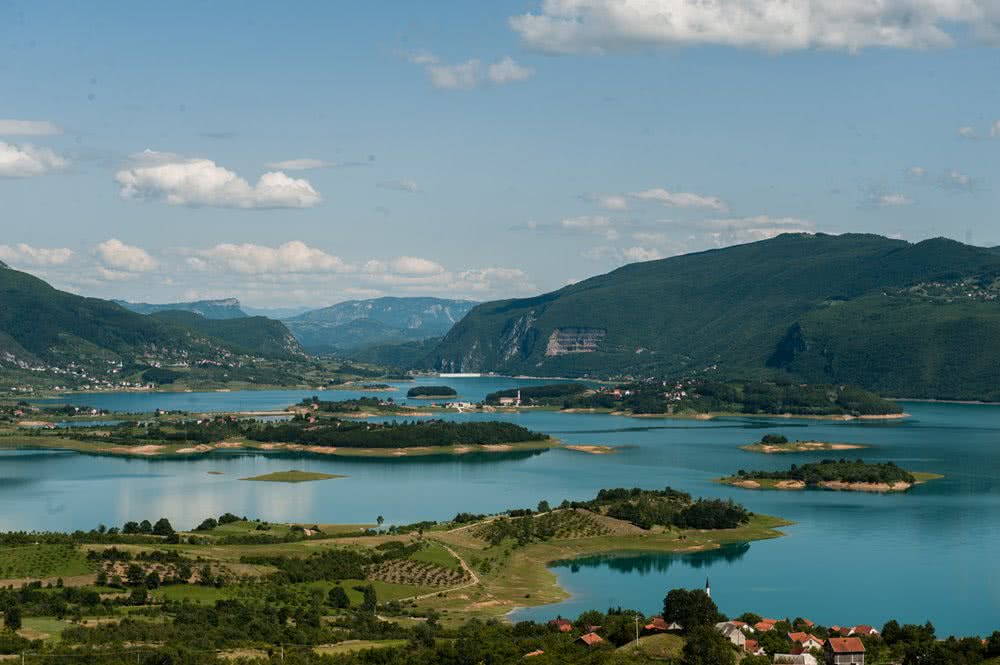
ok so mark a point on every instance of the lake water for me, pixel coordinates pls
(850, 558)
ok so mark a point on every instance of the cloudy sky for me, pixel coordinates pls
(306, 153)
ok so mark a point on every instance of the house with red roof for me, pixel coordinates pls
(806, 640)
(862, 631)
(753, 648)
(765, 625)
(590, 639)
(562, 625)
(658, 625)
(532, 654)
(845, 651)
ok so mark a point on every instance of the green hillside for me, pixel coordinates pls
(734, 311)
(253, 335)
(51, 336)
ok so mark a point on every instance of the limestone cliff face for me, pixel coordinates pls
(574, 340)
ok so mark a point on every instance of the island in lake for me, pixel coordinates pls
(703, 399)
(306, 432)
(431, 392)
(857, 476)
(772, 444)
(293, 476)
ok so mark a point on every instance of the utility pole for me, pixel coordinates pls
(636, 617)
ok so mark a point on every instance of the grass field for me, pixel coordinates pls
(434, 553)
(42, 561)
(659, 647)
(352, 646)
(42, 628)
(293, 476)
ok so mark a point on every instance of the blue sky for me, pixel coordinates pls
(309, 153)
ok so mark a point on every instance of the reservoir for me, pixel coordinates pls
(849, 558)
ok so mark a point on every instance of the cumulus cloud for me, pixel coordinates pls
(290, 258)
(404, 185)
(603, 26)
(28, 128)
(916, 172)
(508, 71)
(301, 164)
(470, 73)
(26, 160)
(22, 254)
(590, 224)
(681, 199)
(121, 258)
(995, 129)
(201, 182)
(405, 265)
(967, 132)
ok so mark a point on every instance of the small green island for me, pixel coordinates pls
(773, 444)
(843, 475)
(293, 476)
(431, 392)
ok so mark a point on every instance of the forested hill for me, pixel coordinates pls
(43, 327)
(254, 335)
(227, 308)
(900, 318)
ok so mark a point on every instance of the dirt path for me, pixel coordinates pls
(473, 578)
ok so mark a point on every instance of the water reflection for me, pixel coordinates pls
(644, 563)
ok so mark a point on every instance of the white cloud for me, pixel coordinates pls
(633, 254)
(916, 172)
(201, 182)
(893, 200)
(404, 185)
(603, 26)
(405, 265)
(967, 132)
(22, 254)
(956, 180)
(28, 128)
(26, 160)
(470, 73)
(121, 258)
(508, 71)
(298, 164)
(995, 129)
(293, 257)
(591, 224)
(611, 201)
(681, 199)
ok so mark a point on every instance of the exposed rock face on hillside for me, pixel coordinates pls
(574, 340)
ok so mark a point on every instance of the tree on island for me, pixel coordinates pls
(690, 609)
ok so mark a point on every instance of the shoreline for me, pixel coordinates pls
(180, 452)
(800, 447)
(764, 484)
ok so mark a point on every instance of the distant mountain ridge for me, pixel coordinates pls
(227, 308)
(357, 324)
(916, 320)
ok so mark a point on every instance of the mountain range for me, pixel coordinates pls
(228, 308)
(915, 320)
(352, 326)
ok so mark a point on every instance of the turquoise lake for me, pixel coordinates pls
(850, 558)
